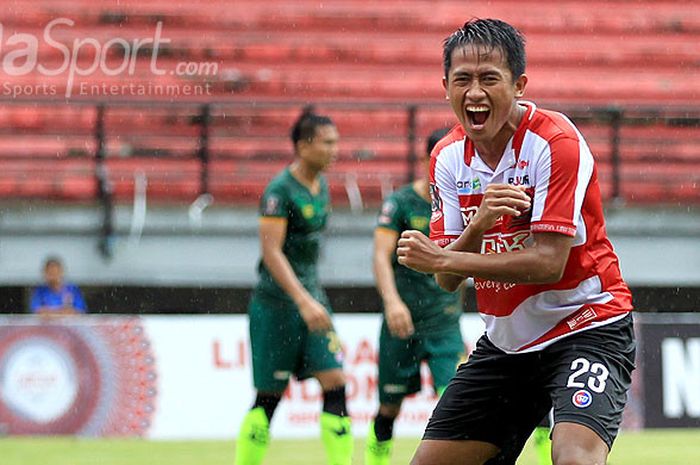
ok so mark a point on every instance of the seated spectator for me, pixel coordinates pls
(56, 297)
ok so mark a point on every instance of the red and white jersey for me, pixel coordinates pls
(548, 155)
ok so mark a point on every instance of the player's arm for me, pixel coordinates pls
(499, 200)
(273, 231)
(543, 262)
(396, 313)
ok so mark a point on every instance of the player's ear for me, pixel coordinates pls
(444, 86)
(520, 84)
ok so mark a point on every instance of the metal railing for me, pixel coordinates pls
(633, 145)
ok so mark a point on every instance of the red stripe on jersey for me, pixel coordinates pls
(559, 204)
(519, 135)
(437, 218)
(455, 134)
(585, 317)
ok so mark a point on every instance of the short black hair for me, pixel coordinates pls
(53, 260)
(434, 138)
(492, 34)
(305, 126)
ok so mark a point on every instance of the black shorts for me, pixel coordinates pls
(500, 398)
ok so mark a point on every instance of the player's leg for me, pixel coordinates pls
(275, 346)
(379, 443)
(254, 434)
(336, 432)
(575, 444)
(323, 360)
(543, 444)
(444, 353)
(487, 412)
(593, 372)
(399, 376)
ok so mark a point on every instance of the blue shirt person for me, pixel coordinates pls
(56, 297)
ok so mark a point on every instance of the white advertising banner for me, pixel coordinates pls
(189, 377)
(205, 379)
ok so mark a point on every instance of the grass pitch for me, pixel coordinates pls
(651, 447)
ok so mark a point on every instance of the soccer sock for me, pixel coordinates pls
(268, 402)
(379, 444)
(383, 427)
(253, 438)
(335, 428)
(543, 445)
(334, 402)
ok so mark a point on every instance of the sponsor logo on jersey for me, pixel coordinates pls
(468, 214)
(468, 186)
(388, 208)
(281, 375)
(395, 389)
(522, 164)
(582, 398)
(497, 243)
(464, 187)
(519, 180)
(271, 204)
(584, 315)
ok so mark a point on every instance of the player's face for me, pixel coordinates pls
(322, 149)
(482, 91)
(53, 274)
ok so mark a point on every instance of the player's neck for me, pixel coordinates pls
(305, 175)
(422, 188)
(491, 151)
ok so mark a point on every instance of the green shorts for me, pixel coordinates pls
(282, 345)
(400, 360)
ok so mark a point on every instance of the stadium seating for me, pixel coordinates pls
(375, 57)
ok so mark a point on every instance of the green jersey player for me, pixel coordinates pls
(421, 321)
(291, 330)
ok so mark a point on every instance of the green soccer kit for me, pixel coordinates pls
(435, 313)
(281, 343)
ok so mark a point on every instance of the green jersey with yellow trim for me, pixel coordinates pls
(306, 214)
(432, 309)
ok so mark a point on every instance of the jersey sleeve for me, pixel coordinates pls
(274, 203)
(390, 216)
(446, 219)
(563, 176)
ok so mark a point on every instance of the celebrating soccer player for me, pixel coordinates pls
(517, 206)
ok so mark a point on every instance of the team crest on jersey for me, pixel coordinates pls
(582, 398)
(308, 211)
(418, 222)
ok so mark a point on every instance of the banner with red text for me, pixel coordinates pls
(183, 377)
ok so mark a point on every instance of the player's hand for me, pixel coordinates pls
(500, 200)
(315, 315)
(398, 319)
(418, 252)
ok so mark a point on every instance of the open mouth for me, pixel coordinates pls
(477, 115)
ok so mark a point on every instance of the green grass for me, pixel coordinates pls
(653, 447)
